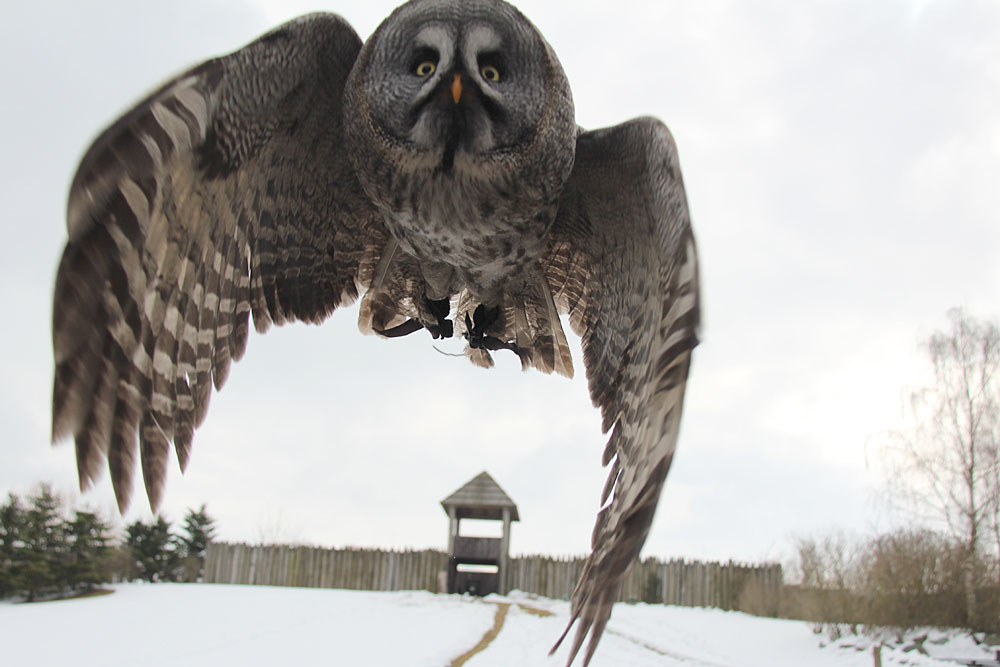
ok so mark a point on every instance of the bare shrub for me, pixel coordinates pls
(829, 578)
(913, 578)
(899, 580)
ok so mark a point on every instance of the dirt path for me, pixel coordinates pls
(498, 621)
(490, 635)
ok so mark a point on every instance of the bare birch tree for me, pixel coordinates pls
(945, 468)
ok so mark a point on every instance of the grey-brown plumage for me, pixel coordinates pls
(437, 171)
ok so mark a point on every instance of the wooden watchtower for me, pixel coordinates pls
(480, 498)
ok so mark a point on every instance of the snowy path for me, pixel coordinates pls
(194, 625)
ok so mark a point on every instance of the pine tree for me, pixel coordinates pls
(11, 528)
(154, 550)
(88, 548)
(43, 549)
(43, 553)
(200, 529)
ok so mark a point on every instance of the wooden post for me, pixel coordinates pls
(504, 547)
(452, 529)
(453, 526)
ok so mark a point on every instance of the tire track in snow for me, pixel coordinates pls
(668, 654)
(501, 616)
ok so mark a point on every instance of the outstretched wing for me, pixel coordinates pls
(622, 263)
(223, 193)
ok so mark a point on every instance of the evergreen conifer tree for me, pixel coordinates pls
(11, 528)
(200, 529)
(88, 548)
(42, 550)
(154, 550)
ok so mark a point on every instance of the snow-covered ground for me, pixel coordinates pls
(213, 625)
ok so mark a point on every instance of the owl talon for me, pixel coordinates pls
(440, 309)
(443, 329)
(476, 326)
(404, 329)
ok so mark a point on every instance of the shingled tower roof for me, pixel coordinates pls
(481, 498)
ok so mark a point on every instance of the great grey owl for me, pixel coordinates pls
(437, 171)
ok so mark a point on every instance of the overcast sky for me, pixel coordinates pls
(842, 162)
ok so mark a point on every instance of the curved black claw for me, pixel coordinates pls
(475, 330)
(404, 329)
(443, 329)
(439, 309)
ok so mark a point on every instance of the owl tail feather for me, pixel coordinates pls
(551, 351)
(529, 320)
(394, 303)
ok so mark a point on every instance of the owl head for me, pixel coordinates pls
(469, 86)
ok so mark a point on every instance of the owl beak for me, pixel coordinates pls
(456, 88)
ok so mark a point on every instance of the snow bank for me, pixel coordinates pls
(195, 625)
(212, 625)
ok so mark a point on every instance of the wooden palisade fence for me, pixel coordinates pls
(687, 583)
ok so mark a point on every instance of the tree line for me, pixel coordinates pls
(941, 565)
(49, 550)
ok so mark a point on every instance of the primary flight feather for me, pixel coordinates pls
(436, 171)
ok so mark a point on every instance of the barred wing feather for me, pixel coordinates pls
(622, 262)
(223, 194)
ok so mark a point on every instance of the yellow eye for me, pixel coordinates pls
(426, 68)
(490, 73)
